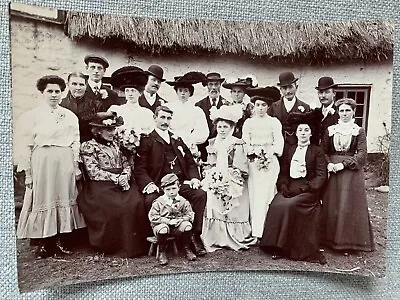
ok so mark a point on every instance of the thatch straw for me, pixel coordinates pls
(310, 42)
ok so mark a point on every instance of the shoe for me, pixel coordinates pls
(162, 258)
(42, 252)
(63, 250)
(198, 246)
(189, 254)
(317, 258)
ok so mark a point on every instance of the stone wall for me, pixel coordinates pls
(40, 48)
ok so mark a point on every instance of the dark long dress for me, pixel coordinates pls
(292, 222)
(116, 219)
(345, 222)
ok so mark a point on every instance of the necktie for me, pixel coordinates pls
(96, 90)
(214, 102)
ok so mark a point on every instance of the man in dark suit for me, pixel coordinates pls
(96, 66)
(162, 153)
(150, 98)
(326, 94)
(213, 101)
(288, 103)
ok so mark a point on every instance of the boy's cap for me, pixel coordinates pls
(169, 179)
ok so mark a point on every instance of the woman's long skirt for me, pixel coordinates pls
(51, 208)
(116, 219)
(291, 224)
(262, 189)
(345, 222)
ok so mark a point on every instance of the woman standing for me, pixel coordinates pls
(132, 81)
(345, 222)
(238, 91)
(226, 219)
(110, 201)
(189, 121)
(292, 219)
(264, 143)
(50, 161)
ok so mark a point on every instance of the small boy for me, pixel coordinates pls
(171, 214)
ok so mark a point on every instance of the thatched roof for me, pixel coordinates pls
(297, 42)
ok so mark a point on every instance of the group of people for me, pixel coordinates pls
(217, 174)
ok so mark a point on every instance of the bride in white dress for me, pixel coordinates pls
(264, 144)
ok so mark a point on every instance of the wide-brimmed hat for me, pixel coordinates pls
(129, 76)
(313, 118)
(325, 83)
(227, 112)
(169, 179)
(268, 94)
(213, 76)
(156, 71)
(187, 80)
(107, 122)
(286, 78)
(240, 82)
(97, 59)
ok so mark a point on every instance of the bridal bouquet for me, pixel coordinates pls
(260, 157)
(128, 138)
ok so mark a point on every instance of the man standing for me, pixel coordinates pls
(150, 99)
(288, 103)
(213, 101)
(326, 94)
(96, 66)
(161, 153)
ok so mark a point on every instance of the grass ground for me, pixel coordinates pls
(86, 265)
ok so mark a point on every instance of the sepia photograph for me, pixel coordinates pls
(146, 146)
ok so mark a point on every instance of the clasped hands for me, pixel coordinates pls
(335, 167)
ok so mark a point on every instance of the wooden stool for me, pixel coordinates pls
(153, 243)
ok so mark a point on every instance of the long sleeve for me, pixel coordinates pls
(200, 127)
(92, 166)
(75, 135)
(284, 175)
(240, 160)
(155, 214)
(358, 160)
(326, 145)
(187, 212)
(193, 170)
(246, 135)
(278, 138)
(142, 160)
(24, 141)
(320, 177)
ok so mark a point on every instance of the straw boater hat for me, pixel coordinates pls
(213, 76)
(97, 59)
(169, 179)
(107, 122)
(241, 82)
(325, 83)
(286, 78)
(187, 81)
(156, 71)
(268, 94)
(129, 76)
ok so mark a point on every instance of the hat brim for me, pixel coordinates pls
(205, 82)
(156, 76)
(326, 87)
(129, 78)
(96, 59)
(267, 100)
(229, 86)
(287, 83)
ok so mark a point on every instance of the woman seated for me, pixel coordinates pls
(50, 154)
(226, 218)
(292, 219)
(110, 201)
(345, 222)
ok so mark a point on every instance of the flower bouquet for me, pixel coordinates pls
(260, 157)
(128, 139)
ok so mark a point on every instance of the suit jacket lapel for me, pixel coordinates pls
(179, 155)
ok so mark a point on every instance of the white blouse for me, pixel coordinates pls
(189, 123)
(265, 131)
(136, 117)
(44, 126)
